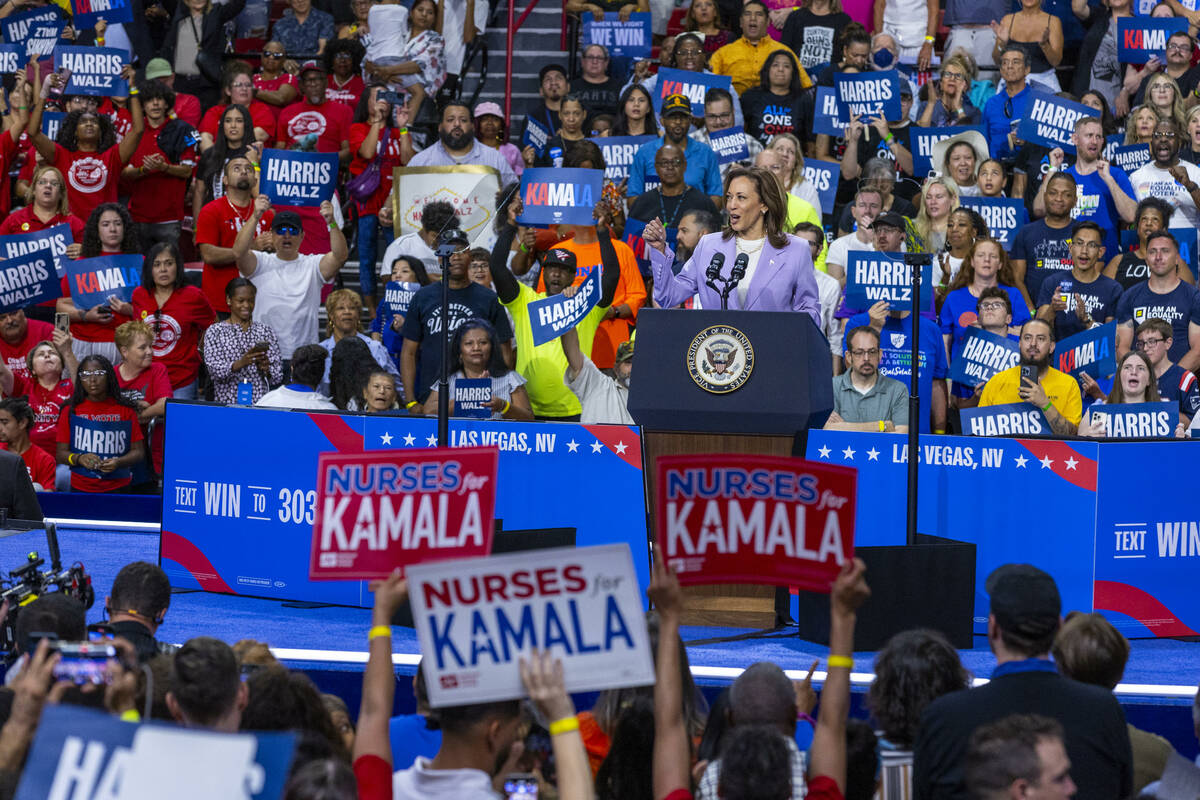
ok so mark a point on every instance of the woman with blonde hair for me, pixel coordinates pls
(1164, 96)
(45, 206)
(1191, 137)
(939, 197)
(1139, 126)
(788, 146)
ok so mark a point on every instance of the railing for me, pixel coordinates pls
(514, 23)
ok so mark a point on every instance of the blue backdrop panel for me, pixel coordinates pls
(239, 490)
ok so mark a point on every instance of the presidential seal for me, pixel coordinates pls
(720, 359)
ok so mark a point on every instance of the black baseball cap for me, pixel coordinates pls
(551, 68)
(284, 219)
(559, 257)
(676, 104)
(890, 218)
(1025, 600)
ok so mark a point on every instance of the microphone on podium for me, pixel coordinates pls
(714, 270)
(739, 269)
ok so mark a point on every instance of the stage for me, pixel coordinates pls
(329, 643)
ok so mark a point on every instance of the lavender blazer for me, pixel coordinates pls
(783, 281)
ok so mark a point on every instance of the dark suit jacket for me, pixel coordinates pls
(16, 489)
(1097, 738)
(212, 37)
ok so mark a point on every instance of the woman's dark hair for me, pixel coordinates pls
(281, 700)
(584, 150)
(1152, 203)
(625, 773)
(148, 266)
(351, 46)
(67, 131)
(213, 160)
(323, 779)
(91, 231)
(1108, 124)
(362, 111)
(755, 763)
(350, 370)
(504, 199)
(685, 36)
(238, 283)
(767, 187)
(764, 74)
(418, 268)
(97, 361)
(19, 408)
(496, 366)
(308, 364)
(414, 5)
(718, 722)
(621, 123)
(911, 671)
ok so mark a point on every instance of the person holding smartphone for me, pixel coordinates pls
(240, 350)
(1034, 381)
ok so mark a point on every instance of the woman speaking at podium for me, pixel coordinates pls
(752, 262)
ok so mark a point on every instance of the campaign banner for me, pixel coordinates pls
(923, 140)
(730, 145)
(107, 439)
(1186, 237)
(830, 117)
(1128, 157)
(12, 58)
(618, 152)
(1093, 351)
(1138, 420)
(293, 178)
(553, 316)
(981, 355)
(94, 70)
(476, 618)
(37, 30)
(471, 397)
(872, 276)
(1141, 38)
(93, 281)
(559, 196)
(27, 279)
(57, 238)
(536, 135)
(755, 519)
(824, 176)
(397, 297)
(692, 84)
(1050, 121)
(84, 753)
(1004, 217)
(470, 188)
(86, 13)
(1008, 419)
(379, 511)
(630, 39)
(869, 94)
(51, 122)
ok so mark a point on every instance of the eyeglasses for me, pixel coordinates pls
(1162, 135)
(287, 230)
(992, 306)
(1179, 48)
(1090, 245)
(272, 55)
(51, 182)
(691, 52)
(672, 162)
(1008, 107)
(1012, 62)
(860, 353)
(92, 373)
(719, 117)
(595, 58)
(954, 76)
(242, 85)
(1146, 344)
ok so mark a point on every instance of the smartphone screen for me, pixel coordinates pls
(520, 786)
(84, 662)
(62, 322)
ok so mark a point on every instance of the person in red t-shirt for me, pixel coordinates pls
(217, 227)
(274, 87)
(16, 421)
(343, 61)
(52, 366)
(187, 106)
(15, 123)
(177, 313)
(87, 152)
(158, 180)
(98, 433)
(373, 116)
(18, 336)
(45, 206)
(109, 231)
(238, 87)
(145, 384)
(234, 138)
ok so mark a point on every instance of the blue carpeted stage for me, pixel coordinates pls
(329, 643)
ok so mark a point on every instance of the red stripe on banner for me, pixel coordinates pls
(188, 556)
(1140, 605)
(1064, 461)
(624, 442)
(339, 433)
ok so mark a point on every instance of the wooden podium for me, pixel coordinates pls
(780, 363)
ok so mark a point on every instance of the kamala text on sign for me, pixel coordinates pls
(693, 85)
(1091, 351)
(559, 196)
(93, 281)
(378, 511)
(755, 519)
(1141, 38)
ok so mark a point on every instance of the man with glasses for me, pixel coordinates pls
(701, 169)
(1163, 296)
(1154, 337)
(718, 116)
(1179, 66)
(1167, 177)
(1084, 298)
(1004, 110)
(1055, 393)
(742, 59)
(598, 92)
(864, 400)
(673, 198)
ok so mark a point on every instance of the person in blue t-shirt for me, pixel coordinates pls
(1154, 339)
(1042, 249)
(895, 359)
(1105, 195)
(1163, 296)
(1005, 109)
(703, 171)
(1084, 298)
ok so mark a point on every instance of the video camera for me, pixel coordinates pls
(30, 581)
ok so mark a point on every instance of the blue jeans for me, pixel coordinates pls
(368, 235)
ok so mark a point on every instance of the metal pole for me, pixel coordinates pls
(915, 262)
(443, 429)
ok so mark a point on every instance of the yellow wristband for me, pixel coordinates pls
(939, 430)
(564, 725)
(507, 406)
(882, 426)
(131, 715)
(929, 39)
(410, 404)
(840, 661)
(377, 631)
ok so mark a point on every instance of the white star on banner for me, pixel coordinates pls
(621, 448)
(1046, 462)
(1022, 461)
(824, 451)
(848, 454)
(1071, 462)
(572, 446)
(873, 454)
(386, 438)
(409, 439)
(431, 440)
(597, 447)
